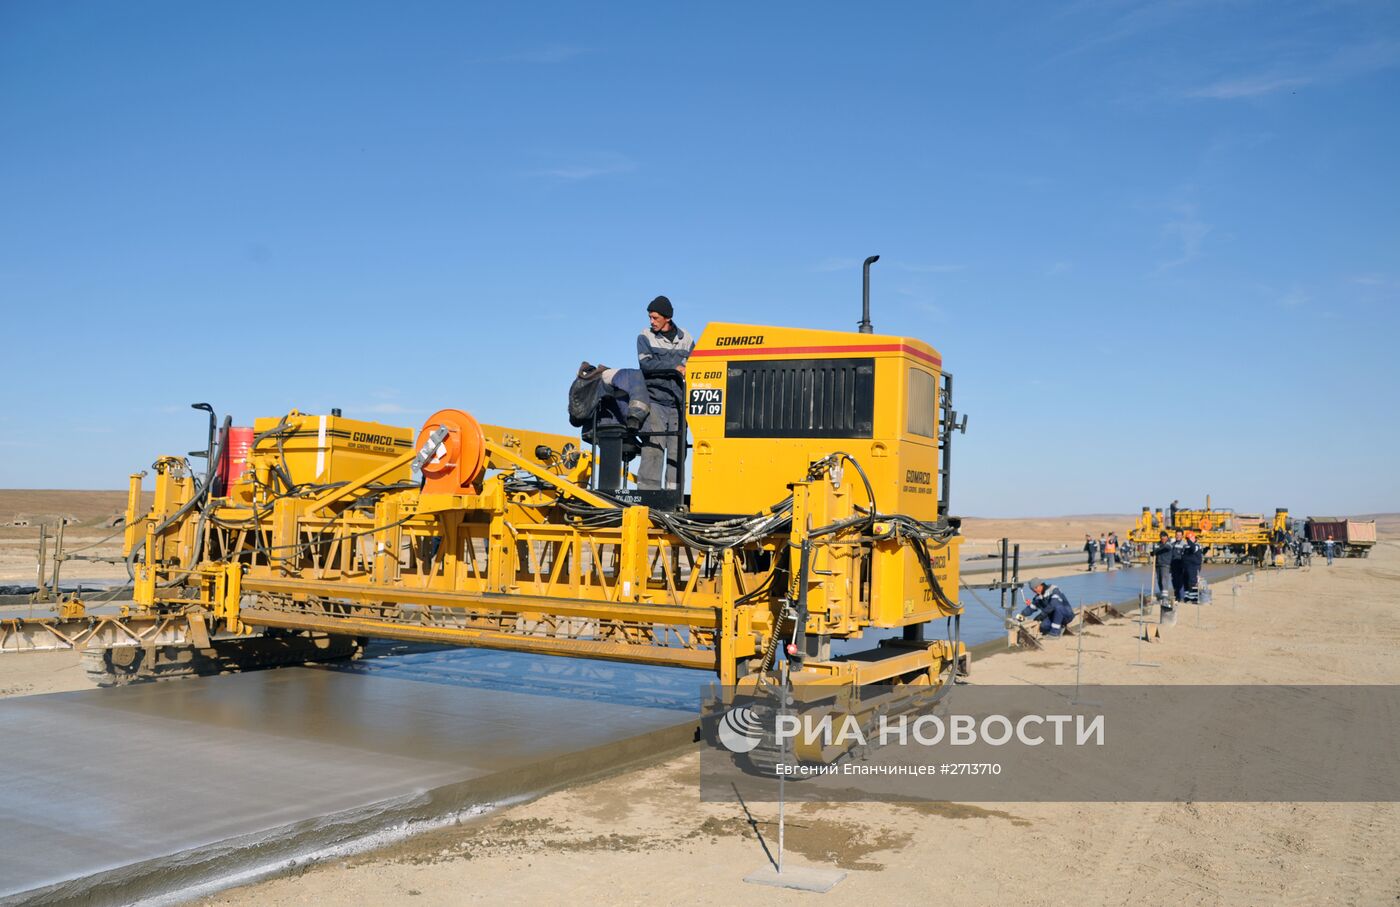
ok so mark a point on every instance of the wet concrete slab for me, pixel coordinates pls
(983, 622)
(1118, 586)
(114, 795)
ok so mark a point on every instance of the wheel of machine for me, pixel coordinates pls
(764, 759)
(114, 667)
(123, 665)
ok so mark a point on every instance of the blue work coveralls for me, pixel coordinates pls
(1052, 609)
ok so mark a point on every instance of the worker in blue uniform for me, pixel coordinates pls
(1162, 560)
(609, 395)
(1178, 567)
(1192, 556)
(1049, 606)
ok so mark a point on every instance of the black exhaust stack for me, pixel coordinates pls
(865, 327)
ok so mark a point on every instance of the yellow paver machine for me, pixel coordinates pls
(817, 512)
(1225, 534)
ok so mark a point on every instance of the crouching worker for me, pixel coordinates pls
(1049, 606)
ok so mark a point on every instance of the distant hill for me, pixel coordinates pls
(80, 508)
(1063, 529)
(91, 509)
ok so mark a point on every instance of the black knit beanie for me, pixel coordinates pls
(661, 306)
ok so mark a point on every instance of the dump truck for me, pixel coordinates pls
(1353, 538)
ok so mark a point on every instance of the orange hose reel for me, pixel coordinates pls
(460, 460)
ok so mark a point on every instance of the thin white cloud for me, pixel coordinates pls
(1249, 87)
(1058, 268)
(847, 264)
(1123, 20)
(546, 55)
(386, 409)
(1295, 298)
(606, 164)
(837, 264)
(1375, 288)
(1314, 66)
(1188, 232)
(929, 269)
(1359, 59)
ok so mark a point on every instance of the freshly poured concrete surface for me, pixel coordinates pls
(124, 793)
(983, 622)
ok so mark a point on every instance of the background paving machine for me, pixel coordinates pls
(818, 511)
(1227, 536)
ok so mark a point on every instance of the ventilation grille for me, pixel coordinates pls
(800, 398)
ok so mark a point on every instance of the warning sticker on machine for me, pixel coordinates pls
(706, 401)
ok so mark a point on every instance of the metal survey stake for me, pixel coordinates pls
(776, 871)
(1142, 634)
(41, 593)
(58, 558)
(782, 824)
(1079, 665)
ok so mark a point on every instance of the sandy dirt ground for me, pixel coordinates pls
(982, 535)
(642, 836)
(89, 536)
(90, 511)
(87, 533)
(41, 672)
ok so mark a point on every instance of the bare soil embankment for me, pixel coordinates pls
(87, 514)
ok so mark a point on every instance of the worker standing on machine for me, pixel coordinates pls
(1049, 606)
(1162, 559)
(662, 351)
(1192, 554)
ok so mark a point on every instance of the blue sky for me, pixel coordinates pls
(1157, 243)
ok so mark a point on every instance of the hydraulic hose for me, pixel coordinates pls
(199, 499)
(279, 468)
(799, 631)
